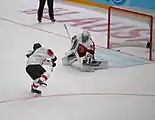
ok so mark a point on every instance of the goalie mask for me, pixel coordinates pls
(85, 36)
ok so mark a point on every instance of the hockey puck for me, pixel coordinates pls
(118, 50)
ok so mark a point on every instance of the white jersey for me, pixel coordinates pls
(77, 40)
(39, 56)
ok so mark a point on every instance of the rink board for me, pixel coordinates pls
(87, 2)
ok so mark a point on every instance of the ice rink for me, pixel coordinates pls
(125, 91)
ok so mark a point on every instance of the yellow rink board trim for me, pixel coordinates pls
(86, 2)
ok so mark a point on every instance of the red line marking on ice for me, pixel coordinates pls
(76, 94)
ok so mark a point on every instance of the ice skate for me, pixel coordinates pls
(39, 20)
(53, 20)
(42, 84)
(33, 90)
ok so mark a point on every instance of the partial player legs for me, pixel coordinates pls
(50, 9)
(40, 10)
(39, 76)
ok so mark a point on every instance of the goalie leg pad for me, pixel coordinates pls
(68, 60)
(87, 68)
(65, 61)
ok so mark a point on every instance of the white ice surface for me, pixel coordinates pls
(113, 94)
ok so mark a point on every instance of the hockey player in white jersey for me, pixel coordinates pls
(37, 58)
(83, 50)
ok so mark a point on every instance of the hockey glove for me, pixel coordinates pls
(54, 64)
(30, 52)
(88, 58)
(54, 59)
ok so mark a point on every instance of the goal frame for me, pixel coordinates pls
(110, 8)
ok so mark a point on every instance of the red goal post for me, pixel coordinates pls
(138, 16)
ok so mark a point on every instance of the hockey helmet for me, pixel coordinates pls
(85, 36)
(36, 46)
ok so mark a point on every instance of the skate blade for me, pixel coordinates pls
(36, 94)
(43, 86)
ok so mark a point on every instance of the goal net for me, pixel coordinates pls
(136, 37)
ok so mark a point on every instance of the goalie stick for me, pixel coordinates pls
(65, 26)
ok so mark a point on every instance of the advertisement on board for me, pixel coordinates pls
(148, 4)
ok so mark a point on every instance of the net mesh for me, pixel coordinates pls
(140, 30)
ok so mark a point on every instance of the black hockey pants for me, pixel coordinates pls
(41, 8)
(35, 71)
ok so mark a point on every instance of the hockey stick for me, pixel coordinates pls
(65, 26)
